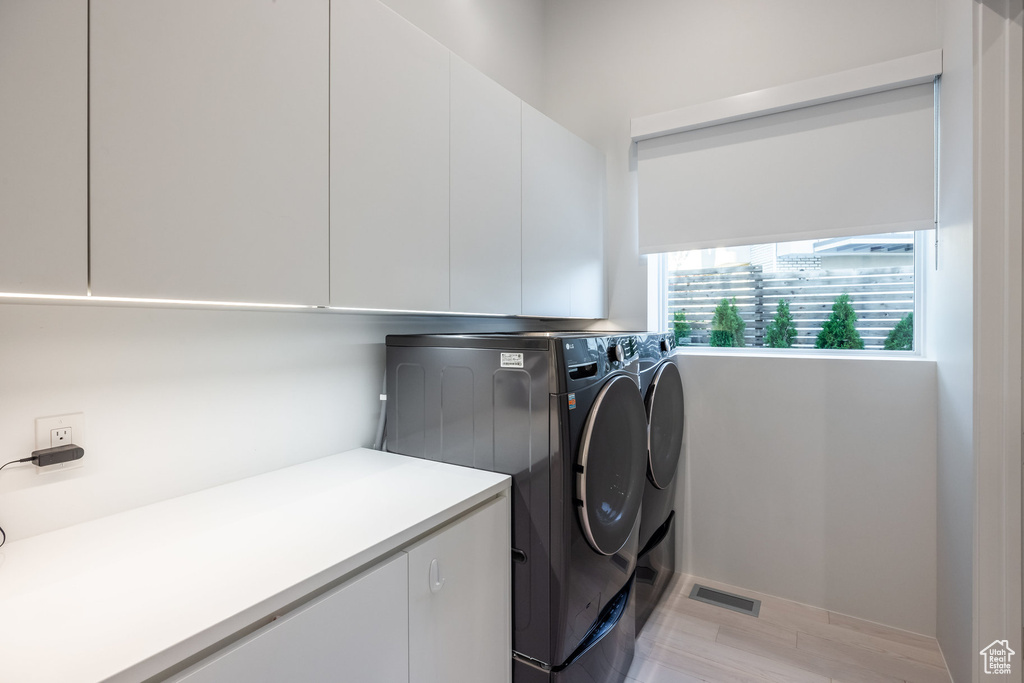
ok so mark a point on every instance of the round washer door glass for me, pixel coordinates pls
(611, 465)
(665, 433)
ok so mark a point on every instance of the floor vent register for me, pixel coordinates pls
(737, 603)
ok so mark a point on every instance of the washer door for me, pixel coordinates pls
(665, 430)
(610, 467)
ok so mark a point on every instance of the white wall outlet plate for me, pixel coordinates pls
(60, 430)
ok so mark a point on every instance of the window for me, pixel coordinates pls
(848, 292)
(818, 176)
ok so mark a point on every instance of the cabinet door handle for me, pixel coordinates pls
(436, 580)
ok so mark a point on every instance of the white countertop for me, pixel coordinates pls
(124, 597)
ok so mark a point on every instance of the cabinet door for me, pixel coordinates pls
(459, 601)
(486, 194)
(587, 285)
(209, 138)
(389, 161)
(43, 148)
(563, 215)
(357, 632)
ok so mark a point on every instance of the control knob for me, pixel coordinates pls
(665, 346)
(615, 353)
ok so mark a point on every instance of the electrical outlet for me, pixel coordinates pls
(60, 436)
(60, 430)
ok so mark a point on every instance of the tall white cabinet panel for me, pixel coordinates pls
(563, 214)
(43, 146)
(587, 286)
(486, 194)
(389, 161)
(358, 632)
(459, 601)
(209, 149)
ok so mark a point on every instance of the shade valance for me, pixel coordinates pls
(859, 165)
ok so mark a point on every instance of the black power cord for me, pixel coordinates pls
(43, 458)
(3, 536)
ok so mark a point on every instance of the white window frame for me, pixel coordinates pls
(657, 314)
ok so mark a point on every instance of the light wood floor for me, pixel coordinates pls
(686, 641)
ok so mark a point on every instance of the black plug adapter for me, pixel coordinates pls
(57, 455)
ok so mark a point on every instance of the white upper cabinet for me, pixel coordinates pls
(486, 194)
(389, 161)
(43, 146)
(460, 601)
(563, 217)
(317, 152)
(209, 149)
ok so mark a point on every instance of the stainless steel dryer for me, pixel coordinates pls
(662, 388)
(562, 414)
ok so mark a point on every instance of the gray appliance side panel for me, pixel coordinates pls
(462, 440)
(658, 504)
(460, 406)
(654, 572)
(446, 403)
(562, 524)
(521, 448)
(645, 374)
(413, 415)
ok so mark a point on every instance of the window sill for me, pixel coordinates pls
(815, 354)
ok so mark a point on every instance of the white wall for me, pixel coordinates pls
(178, 400)
(949, 317)
(609, 61)
(814, 479)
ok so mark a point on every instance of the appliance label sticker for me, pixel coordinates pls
(511, 360)
(572, 401)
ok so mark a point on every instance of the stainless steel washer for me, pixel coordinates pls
(562, 414)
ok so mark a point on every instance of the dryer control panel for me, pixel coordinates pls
(588, 359)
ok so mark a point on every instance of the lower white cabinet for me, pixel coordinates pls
(439, 612)
(459, 601)
(357, 632)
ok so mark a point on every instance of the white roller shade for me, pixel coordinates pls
(856, 166)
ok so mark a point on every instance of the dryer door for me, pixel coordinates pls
(611, 464)
(665, 431)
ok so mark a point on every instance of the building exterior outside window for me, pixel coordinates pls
(849, 292)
